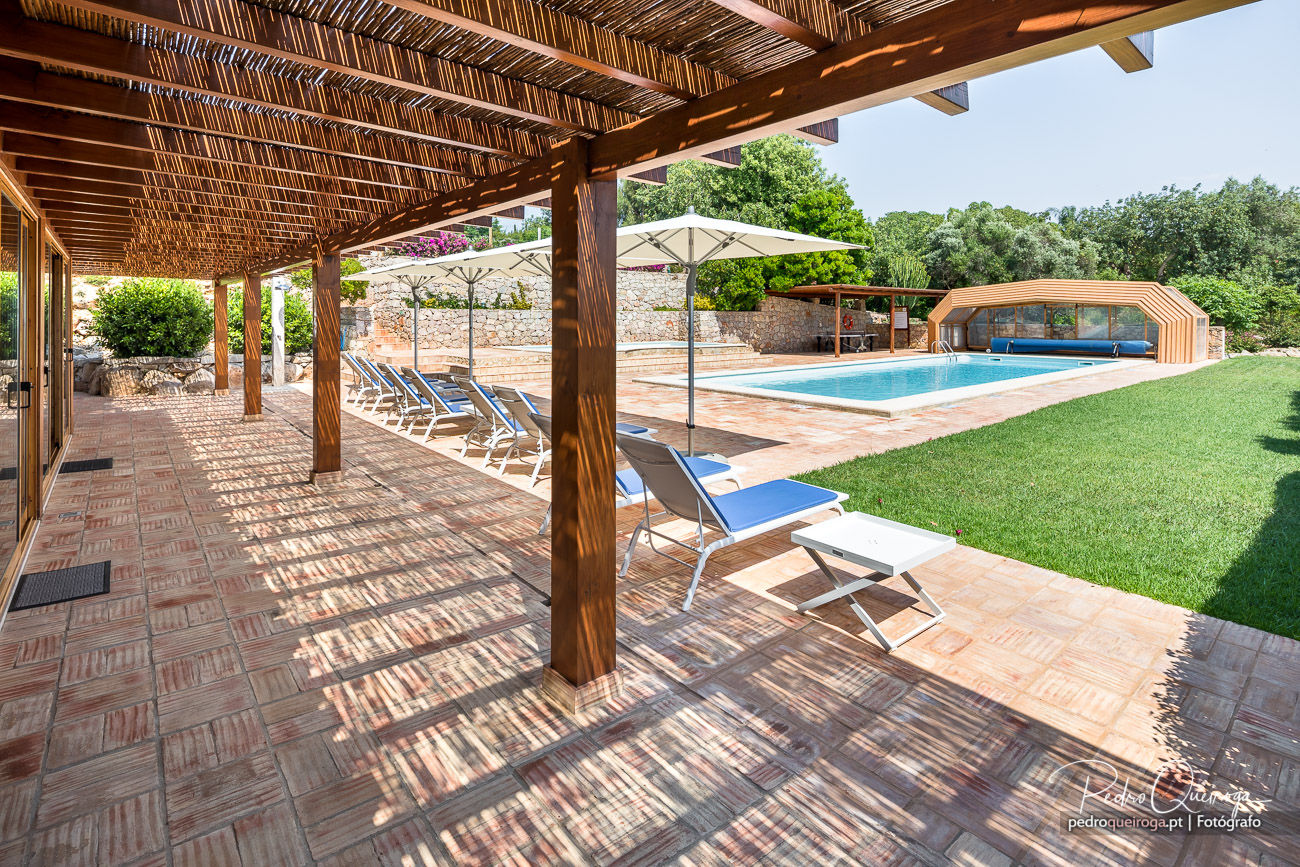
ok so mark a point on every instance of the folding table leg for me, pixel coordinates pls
(843, 589)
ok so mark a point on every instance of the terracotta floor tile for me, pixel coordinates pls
(351, 673)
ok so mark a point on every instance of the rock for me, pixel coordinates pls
(200, 381)
(96, 381)
(120, 382)
(292, 372)
(159, 382)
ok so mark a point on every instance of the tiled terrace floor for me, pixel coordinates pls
(284, 674)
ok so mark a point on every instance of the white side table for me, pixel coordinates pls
(886, 547)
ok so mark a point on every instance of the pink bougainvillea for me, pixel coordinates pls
(438, 244)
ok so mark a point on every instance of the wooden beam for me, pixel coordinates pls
(23, 81)
(573, 40)
(87, 203)
(58, 365)
(89, 52)
(327, 458)
(583, 528)
(728, 158)
(826, 132)
(124, 166)
(818, 25)
(948, 44)
(51, 186)
(517, 186)
(951, 100)
(252, 346)
(1133, 53)
(265, 31)
(165, 144)
(220, 338)
(656, 177)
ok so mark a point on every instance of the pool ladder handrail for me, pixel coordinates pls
(943, 347)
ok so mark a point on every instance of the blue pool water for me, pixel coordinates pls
(902, 378)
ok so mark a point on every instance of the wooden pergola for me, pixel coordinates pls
(837, 292)
(230, 139)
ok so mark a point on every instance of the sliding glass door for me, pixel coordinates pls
(12, 306)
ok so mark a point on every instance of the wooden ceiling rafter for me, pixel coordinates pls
(165, 144)
(93, 53)
(256, 28)
(75, 159)
(24, 81)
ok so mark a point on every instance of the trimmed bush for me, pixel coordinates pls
(297, 322)
(153, 316)
(1226, 302)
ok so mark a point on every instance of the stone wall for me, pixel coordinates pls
(97, 374)
(779, 325)
(1216, 342)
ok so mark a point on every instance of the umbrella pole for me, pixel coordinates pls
(690, 358)
(471, 329)
(415, 328)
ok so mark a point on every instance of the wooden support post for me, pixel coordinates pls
(252, 347)
(58, 369)
(837, 325)
(891, 324)
(583, 669)
(220, 338)
(326, 420)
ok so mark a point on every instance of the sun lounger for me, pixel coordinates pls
(494, 426)
(528, 438)
(361, 389)
(738, 515)
(449, 403)
(628, 488)
(384, 395)
(412, 405)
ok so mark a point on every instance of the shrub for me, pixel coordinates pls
(8, 313)
(1242, 342)
(1227, 302)
(97, 280)
(1279, 325)
(152, 316)
(297, 322)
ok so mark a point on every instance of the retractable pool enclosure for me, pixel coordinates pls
(1081, 316)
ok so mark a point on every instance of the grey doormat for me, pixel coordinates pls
(86, 466)
(61, 585)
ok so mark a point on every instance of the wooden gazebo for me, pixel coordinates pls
(837, 292)
(231, 139)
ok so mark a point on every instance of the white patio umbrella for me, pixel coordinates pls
(395, 270)
(470, 266)
(689, 241)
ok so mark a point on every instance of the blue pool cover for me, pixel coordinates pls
(1044, 344)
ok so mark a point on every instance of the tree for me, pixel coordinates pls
(740, 284)
(773, 173)
(983, 245)
(349, 290)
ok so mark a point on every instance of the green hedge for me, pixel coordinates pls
(297, 322)
(153, 316)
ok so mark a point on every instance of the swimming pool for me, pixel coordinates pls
(897, 386)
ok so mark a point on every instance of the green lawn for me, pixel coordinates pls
(1185, 489)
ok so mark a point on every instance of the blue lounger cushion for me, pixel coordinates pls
(630, 483)
(635, 429)
(1050, 344)
(759, 504)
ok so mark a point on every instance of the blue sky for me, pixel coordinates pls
(1221, 101)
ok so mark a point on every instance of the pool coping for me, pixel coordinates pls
(896, 406)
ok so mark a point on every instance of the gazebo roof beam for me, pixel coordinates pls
(266, 31)
(572, 40)
(93, 53)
